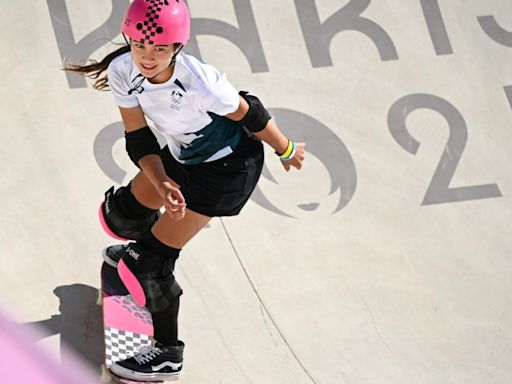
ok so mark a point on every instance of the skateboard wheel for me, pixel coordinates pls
(99, 299)
(106, 376)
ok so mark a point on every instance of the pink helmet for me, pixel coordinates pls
(157, 22)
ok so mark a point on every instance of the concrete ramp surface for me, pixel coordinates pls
(386, 260)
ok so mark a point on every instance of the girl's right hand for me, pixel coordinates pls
(174, 201)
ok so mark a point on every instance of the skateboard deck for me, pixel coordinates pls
(127, 326)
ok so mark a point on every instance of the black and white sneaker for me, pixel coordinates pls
(157, 363)
(113, 254)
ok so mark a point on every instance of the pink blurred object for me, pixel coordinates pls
(22, 361)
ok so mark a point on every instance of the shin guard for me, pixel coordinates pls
(149, 278)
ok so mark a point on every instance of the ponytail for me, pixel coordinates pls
(95, 69)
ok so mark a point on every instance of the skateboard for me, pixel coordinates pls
(127, 326)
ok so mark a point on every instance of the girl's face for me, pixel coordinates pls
(153, 60)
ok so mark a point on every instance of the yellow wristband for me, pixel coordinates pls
(288, 151)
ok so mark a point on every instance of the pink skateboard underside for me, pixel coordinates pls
(122, 312)
(128, 328)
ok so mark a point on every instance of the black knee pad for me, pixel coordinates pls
(154, 276)
(118, 225)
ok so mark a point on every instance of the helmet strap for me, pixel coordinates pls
(126, 40)
(173, 60)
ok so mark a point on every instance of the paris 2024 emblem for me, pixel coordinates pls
(327, 182)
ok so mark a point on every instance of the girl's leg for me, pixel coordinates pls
(177, 233)
(165, 324)
(145, 192)
(166, 240)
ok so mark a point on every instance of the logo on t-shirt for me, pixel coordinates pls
(176, 100)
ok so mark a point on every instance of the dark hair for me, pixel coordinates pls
(94, 70)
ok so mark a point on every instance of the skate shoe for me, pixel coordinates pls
(156, 363)
(112, 254)
(119, 226)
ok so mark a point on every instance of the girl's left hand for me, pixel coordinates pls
(297, 159)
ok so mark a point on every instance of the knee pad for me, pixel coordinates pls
(149, 278)
(117, 225)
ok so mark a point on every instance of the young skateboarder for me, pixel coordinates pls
(209, 167)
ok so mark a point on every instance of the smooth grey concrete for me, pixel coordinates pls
(387, 259)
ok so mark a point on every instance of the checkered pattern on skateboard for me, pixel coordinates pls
(120, 345)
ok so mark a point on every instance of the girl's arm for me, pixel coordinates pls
(153, 168)
(272, 136)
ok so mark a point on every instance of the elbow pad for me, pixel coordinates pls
(257, 116)
(140, 143)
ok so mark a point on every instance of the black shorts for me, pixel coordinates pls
(220, 187)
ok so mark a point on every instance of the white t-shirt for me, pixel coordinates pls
(186, 109)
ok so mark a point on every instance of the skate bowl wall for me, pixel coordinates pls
(385, 260)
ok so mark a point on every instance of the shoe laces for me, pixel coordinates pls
(146, 354)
